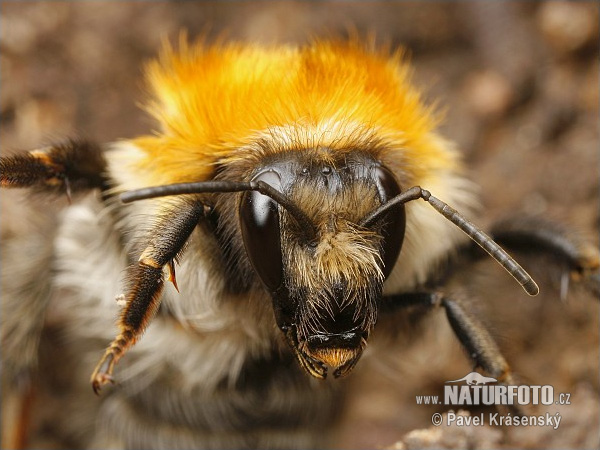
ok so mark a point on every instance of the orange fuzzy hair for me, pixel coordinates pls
(214, 103)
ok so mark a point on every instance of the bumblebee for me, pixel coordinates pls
(290, 199)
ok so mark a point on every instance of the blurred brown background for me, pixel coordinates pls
(520, 84)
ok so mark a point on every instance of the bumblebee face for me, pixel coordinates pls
(325, 283)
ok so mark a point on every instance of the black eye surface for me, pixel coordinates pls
(394, 221)
(259, 222)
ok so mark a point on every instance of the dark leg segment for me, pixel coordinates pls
(471, 333)
(146, 283)
(65, 168)
(476, 340)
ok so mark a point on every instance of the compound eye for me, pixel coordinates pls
(259, 222)
(393, 222)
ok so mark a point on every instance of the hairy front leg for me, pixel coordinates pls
(146, 281)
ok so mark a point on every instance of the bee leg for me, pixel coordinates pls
(471, 333)
(581, 260)
(73, 166)
(146, 282)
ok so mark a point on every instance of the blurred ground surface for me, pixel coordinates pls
(520, 85)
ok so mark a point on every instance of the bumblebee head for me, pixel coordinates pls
(325, 271)
(316, 139)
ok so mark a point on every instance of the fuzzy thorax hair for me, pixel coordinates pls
(214, 101)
